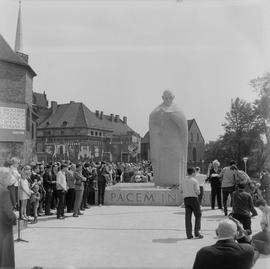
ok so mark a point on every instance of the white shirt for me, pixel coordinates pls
(61, 181)
(191, 187)
(15, 176)
(200, 178)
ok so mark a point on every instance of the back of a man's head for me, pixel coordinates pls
(190, 171)
(226, 229)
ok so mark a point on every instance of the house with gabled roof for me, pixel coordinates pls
(72, 131)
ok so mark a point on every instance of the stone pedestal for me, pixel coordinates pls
(142, 194)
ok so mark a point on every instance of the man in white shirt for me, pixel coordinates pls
(191, 190)
(61, 186)
(201, 180)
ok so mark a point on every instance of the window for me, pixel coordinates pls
(92, 132)
(191, 137)
(100, 133)
(65, 123)
(33, 131)
(62, 131)
(96, 133)
(198, 137)
(194, 154)
(28, 120)
(47, 124)
(39, 133)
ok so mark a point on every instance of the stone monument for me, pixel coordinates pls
(168, 142)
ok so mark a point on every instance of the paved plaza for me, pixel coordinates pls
(119, 237)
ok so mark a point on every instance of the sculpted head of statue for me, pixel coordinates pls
(167, 97)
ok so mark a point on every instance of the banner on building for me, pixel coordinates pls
(12, 122)
(134, 149)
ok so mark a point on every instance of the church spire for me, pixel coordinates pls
(18, 39)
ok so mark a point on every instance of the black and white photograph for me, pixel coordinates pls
(135, 134)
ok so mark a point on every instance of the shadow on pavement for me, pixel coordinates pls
(168, 240)
(179, 213)
(213, 217)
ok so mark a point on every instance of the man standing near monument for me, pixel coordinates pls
(191, 190)
(168, 142)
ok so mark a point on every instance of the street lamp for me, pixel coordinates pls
(245, 161)
(202, 166)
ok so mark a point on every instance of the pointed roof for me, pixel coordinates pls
(40, 99)
(7, 54)
(77, 115)
(18, 38)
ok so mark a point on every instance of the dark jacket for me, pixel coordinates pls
(102, 173)
(47, 182)
(7, 220)
(242, 203)
(225, 254)
(215, 181)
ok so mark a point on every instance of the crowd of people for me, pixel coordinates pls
(38, 188)
(35, 190)
(235, 241)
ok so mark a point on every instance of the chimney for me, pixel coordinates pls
(101, 115)
(111, 117)
(97, 113)
(116, 118)
(53, 106)
(125, 120)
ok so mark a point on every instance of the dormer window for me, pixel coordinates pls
(65, 123)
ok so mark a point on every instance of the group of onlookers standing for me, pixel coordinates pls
(224, 181)
(245, 195)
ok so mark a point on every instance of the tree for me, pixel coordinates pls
(262, 107)
(242, 130)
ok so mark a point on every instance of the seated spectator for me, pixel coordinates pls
(232, 250)
(261, 240)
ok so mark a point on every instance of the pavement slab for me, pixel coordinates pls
(119, 237)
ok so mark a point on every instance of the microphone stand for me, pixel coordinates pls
(19, 239)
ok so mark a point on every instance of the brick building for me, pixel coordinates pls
(17, 119)
(71, 131)
(196, 145)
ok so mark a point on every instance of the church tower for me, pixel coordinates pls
(18, 38)
(17, 119)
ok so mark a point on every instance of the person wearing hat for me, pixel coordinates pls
(232, 250)
(213, 176)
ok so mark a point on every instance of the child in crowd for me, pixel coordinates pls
(34, 200)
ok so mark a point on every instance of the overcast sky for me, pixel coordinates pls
(119, 56)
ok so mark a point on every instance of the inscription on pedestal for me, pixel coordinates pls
(143, 197)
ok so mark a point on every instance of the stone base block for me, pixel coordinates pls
(144, 194)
